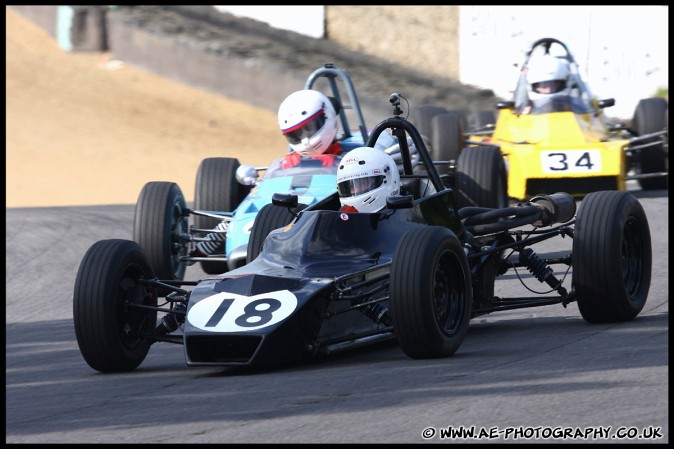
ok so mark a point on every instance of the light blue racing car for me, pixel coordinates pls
(229, 196)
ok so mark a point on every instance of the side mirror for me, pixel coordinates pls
(400, 202)
(505, 105)
(284, 200)
(246, 175)
(608, 102)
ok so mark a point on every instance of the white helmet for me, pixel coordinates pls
(365, 177)
(308, 120)
(547, 75)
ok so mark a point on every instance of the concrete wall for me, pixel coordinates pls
(305, 19)
(75, 28)
(622, 51)
(185, 61)
(423, 37)
(43, 15)
(410, 35)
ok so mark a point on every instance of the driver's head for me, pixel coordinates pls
(365, 177)
(547, 75)
(308, 120)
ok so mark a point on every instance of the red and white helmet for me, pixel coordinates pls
(365, 177)
(308, 120)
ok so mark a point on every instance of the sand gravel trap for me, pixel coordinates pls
(83, 130)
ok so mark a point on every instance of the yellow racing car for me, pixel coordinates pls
(560, 140)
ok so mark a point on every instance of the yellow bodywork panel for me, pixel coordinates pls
(562, 145)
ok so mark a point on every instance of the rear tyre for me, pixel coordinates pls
(270, 217)
(446, 138)
(651, 116)
(430, 293)
(423, 116)
(159, 220)
(111, 333)
(217, 190)
(612, 257)
(480, 119)
(481, 176)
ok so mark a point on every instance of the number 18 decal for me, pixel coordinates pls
(571, 161)
(228, 312)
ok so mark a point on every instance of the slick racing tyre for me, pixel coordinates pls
(481, 176)
(479, 120)
(430, 293)
(422, 117)
(270, 217)
(159, 221)
(111, 331)
(612, 257)
(651, 116)
(446, 138)
(217, 190)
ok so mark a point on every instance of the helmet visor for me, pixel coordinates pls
(306, 128)
(358, 186)
(549, 87)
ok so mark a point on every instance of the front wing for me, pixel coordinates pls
(578, 170)
(256, 320)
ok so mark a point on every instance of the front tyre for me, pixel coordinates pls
(430, 293)
(447, 138)
(612, 257)
(270, 217)
(479, 120)
(650, 116)
(111, 333)
(481, 176)
(159, 222)
(217, 190)
(422, 117)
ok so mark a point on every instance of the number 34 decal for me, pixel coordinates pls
(571, 161)
(228, 312)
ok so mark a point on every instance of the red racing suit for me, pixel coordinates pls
(327, 158)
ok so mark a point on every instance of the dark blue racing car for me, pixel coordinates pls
(416, 271)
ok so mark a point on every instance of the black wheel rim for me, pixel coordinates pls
(448, 294)
(179, 227)
(134, 323)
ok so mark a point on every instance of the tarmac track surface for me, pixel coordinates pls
(526, 369)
